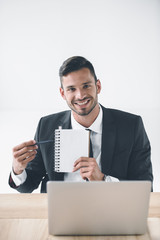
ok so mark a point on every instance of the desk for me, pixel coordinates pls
(24, 217)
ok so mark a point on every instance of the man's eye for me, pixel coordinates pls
(86, 86)
(71, 89)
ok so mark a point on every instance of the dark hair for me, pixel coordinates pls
(74, 64)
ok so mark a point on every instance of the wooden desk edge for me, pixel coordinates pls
(35, 206)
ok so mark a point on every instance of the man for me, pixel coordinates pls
(121, 149)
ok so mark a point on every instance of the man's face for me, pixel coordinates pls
(80, 91)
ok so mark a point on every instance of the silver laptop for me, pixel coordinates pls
(98, 208)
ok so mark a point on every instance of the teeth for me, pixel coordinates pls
(82, 103)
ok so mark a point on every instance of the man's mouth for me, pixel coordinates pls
(82, 103)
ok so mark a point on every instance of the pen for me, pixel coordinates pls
(42, 142)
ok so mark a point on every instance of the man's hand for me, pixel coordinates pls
(22, 155)
(88, 169)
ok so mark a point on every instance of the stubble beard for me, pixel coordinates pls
(84, 112)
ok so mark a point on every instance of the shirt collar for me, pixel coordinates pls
(96, 125)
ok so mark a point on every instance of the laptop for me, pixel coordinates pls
(98, 208)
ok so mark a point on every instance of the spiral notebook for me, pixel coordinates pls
(70, 144)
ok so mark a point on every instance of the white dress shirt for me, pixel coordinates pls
(96, 139)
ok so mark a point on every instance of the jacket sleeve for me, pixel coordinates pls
(140, 167)
(35, 171)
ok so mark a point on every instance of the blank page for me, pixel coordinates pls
(70, 145)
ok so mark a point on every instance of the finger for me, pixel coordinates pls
(26, 155)
(81, 159)
(23, 164)
(24, 144)
(24, 150)
(29, 159)
(88, 159)
(85, 170)
(80, 165)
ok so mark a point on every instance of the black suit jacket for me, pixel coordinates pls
(125, 149)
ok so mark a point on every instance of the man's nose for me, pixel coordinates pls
(80, 94)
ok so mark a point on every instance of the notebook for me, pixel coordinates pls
(98, 208)
(70, 144)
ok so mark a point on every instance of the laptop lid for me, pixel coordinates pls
(98, 208)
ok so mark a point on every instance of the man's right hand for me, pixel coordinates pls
(22, 155)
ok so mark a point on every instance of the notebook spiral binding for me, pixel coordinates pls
(57, 151)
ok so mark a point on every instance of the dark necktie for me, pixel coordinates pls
(90, 144)
(90, 148)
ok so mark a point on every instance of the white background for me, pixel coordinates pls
(120, 37)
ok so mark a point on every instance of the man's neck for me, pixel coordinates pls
(87, 120)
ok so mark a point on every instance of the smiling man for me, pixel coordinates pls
(80, 90)
(121, 149)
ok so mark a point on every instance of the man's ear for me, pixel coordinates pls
(98, 85)
(62, 93)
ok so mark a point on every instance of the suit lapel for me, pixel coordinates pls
(66, 121)
(108, 141)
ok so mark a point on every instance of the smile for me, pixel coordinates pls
(82, 103)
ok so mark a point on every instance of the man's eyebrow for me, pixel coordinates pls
(87, 82)
(71, 86)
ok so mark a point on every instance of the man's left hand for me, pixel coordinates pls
(88, 169)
